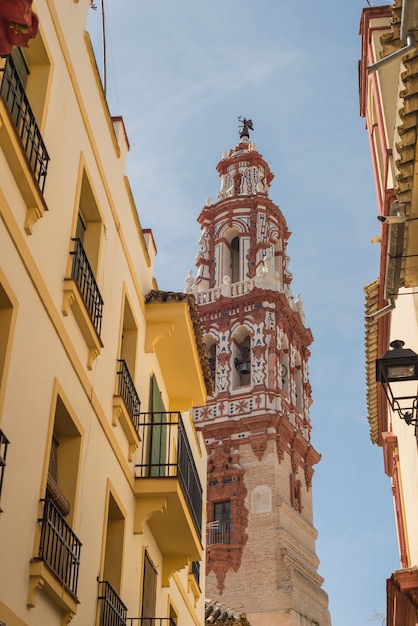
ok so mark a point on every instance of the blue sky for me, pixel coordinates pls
(181, 73)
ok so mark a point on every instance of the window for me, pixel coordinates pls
(63, 461)
(149, 591)
(212, 362)
(158, 433)
(173, 616)
(86, 253)
(228, 256)
(115, 527)
(126, 403)
(283, 371)
(219, 531)
(6, 317)
(111, 608)
(129, 339)
(89, 227)
(234, 260)
(295, 493)
(81, 291)
(298, 383)
(56, 565)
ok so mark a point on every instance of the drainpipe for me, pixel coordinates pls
(410, 45)
(386, 309)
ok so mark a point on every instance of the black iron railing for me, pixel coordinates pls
(128, 393)
(83, 275)
(150, 621)
(59, 547)
(196, 570)
(13, 92)
(111, 608)
(4, 442)
(166, 453)
(218, 532)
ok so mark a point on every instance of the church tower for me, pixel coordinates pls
(261, 556)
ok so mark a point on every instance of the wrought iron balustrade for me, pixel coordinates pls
(150, 621)
(83, 275)
(127, 391)
(13, 92)
(218, 532)
(4, 442)
(59, 547)
(166, 453)
(111, 608)
(196, 570)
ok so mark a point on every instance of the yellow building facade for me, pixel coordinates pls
(102, 474)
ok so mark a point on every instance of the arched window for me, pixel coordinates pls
(298, 383)
(283, 365)
(212, 362)
(241, 376)
(234, 272)
(283, 373)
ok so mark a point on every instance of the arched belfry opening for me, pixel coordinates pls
(241, 353)
(234, 271)
(212, 357)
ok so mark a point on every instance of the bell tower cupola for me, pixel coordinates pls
(244, 234)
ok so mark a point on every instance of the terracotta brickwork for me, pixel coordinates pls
(261, 556)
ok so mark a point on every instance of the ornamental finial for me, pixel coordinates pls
(246, 126)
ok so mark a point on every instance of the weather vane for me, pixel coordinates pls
(246, 126)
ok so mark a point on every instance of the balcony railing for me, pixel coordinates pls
(13, 92)
(150, 621)
(218, 532)
(4, 442)
(59, 547)
(196, 570)
(230, 290)
(83, 275)
(128, 393)
(111, 608)
(166, 453)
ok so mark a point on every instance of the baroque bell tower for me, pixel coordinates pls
(261, 556)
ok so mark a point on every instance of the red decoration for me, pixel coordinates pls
(18, 24)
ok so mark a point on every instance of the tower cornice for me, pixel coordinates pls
(255, 202)
(246, 305)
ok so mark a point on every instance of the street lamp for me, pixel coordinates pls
(399, 365)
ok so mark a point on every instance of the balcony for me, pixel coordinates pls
(173, 334)
(22, 142)
(218, 532)
(55, 569)
(112, 611)
(14, 94)
(126, 407)
(168, 490)
(82, 294)
(84, 278)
